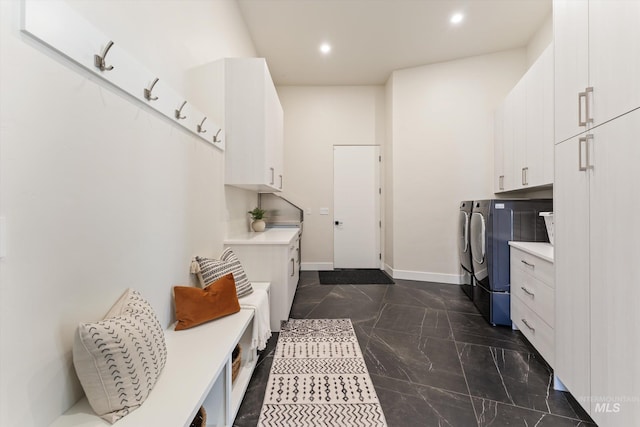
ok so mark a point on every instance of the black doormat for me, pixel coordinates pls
(355, 277)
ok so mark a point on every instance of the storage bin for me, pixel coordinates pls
(200, 419)
(548, 222)
(236, 361)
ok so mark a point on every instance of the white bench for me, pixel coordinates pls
(197, 373)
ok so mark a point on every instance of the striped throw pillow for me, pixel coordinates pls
(212, 269)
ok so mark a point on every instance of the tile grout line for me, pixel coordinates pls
(464, 375)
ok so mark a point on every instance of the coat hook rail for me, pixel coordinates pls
(147, 91)
(215, 137)
(179, 112)
(100, 60)
(200, 126)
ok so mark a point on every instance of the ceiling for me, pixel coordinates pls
(371, 38)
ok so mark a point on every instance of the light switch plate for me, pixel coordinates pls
(324, 211)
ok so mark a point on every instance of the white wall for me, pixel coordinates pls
(316, 119)
(540, 41)
(442, 146)
(98, 193)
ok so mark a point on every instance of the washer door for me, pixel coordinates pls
(478, 245)
(463, 240)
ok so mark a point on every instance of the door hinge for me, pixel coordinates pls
(380, 159)
(379, 190)
(380, 224)
(379, 256)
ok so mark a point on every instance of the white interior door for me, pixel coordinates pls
(356, 206)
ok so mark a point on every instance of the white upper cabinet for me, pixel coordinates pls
(254, 126)
(597, 62)
(524, 130)
(240, 94)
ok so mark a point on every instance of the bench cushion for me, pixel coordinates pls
(118, 359)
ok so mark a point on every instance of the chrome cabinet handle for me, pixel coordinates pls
(525, 176)
(588, 94)
(581, 95)
(528, 325)
(280, 181)
(584, 95)
(501, 182)
(528, 264)
(293, 267)
(273, 176)
(584, 141)
(527, 291)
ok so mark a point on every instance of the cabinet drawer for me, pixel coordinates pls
(538, 296)
(537, 267)
(534, 328)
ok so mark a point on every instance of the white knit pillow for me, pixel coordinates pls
(118, 359)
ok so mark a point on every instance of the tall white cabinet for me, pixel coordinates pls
(597, 206)
(524, 130)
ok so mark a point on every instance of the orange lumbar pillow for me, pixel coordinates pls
(195, 306)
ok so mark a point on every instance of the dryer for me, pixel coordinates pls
(493, 224)
(464, 247)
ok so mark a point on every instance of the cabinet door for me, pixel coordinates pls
(534, 110)
(274, 135)
(498, 149)
(519, 132)
(571, 35)
(571, 217)
(614, 57)
(547, 117)
(615, 277)
(508, 142)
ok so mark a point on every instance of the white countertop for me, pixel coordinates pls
(539, 249)
(271, 236)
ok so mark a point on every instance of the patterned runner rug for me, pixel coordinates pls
(319, 378)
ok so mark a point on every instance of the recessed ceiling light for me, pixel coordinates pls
(325, 48)
(456, 18)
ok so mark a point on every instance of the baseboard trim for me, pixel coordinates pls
(423, 276)
(316, 266)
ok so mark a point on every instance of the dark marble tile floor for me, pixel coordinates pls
(433, 359)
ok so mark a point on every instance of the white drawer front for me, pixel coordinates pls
(537, 267)
(538, 296)
(537, 331)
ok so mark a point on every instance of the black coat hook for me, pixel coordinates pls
(99, 60)
(179, 112)
(147, 91)
(200, 126)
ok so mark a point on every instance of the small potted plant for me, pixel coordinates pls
(257, 215)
